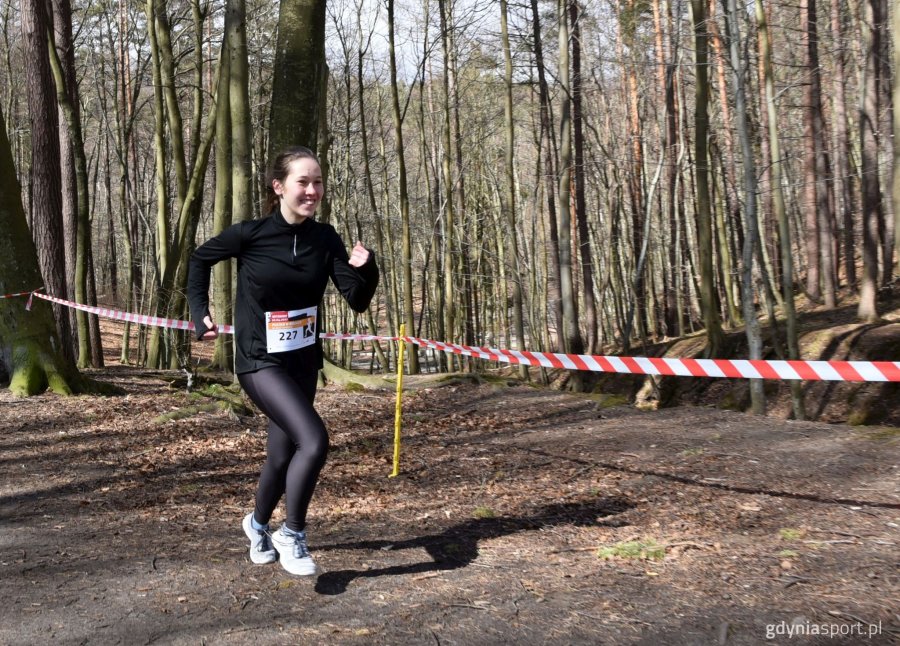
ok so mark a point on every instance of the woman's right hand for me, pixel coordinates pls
(212, 332)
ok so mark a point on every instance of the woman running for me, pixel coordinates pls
(284, 262)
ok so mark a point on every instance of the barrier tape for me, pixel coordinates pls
(859, 371)
(664, 366)
(28, 293)
(142, 319)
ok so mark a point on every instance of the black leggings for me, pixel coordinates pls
(297, 445)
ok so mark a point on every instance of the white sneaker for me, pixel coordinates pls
(261, 550)
(293, 552)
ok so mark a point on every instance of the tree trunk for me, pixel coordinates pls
(405, 241)
(30, 349)
(725, 266)
(186, 231)
(171, 349)
(587, 262)
(46, 187)
(843, 146)
(784, 229)
(571, 338)
(708, 300)
(281, 133)
(511, 203)
(666, 81)
(123, 115)
(223, 356)
(751, 226)
(68, 102)
(550, 173)
(163, 32)
(299, 76)
(447, 185)
(463, 228)
(61, 12)
(199, 16)
(819, 240)
(895, 177)
(871, 186)
(628, 25)
(234, 197)
(731, 220)
(162, 188)
(886, 223)
(375, 212)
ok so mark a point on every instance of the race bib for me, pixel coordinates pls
(290, 330)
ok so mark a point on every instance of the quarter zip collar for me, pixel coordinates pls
(296, 230)
(284, 225)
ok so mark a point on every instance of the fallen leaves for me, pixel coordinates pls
(466, 523)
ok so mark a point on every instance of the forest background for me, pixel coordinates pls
(569, 176)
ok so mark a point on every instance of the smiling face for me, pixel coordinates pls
(301, 191)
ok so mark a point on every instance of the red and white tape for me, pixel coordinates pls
(119, 315)
(732, 368)
(881, 371)
(28, 293)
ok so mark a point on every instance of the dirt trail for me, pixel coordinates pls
(116, 530)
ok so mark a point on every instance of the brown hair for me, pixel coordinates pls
(279, 170)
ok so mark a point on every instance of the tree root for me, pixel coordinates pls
(36, 369)
(226, 398)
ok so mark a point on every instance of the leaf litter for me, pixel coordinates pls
(118, 529)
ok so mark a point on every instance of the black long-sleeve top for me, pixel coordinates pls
(281, 266)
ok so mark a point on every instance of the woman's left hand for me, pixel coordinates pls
(359, 256)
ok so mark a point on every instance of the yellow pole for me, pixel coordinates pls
(398, 410)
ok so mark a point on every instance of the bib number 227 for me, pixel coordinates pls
(291, 329)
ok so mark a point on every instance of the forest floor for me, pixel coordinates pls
(521, 515)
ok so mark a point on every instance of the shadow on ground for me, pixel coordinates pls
(457, 546)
